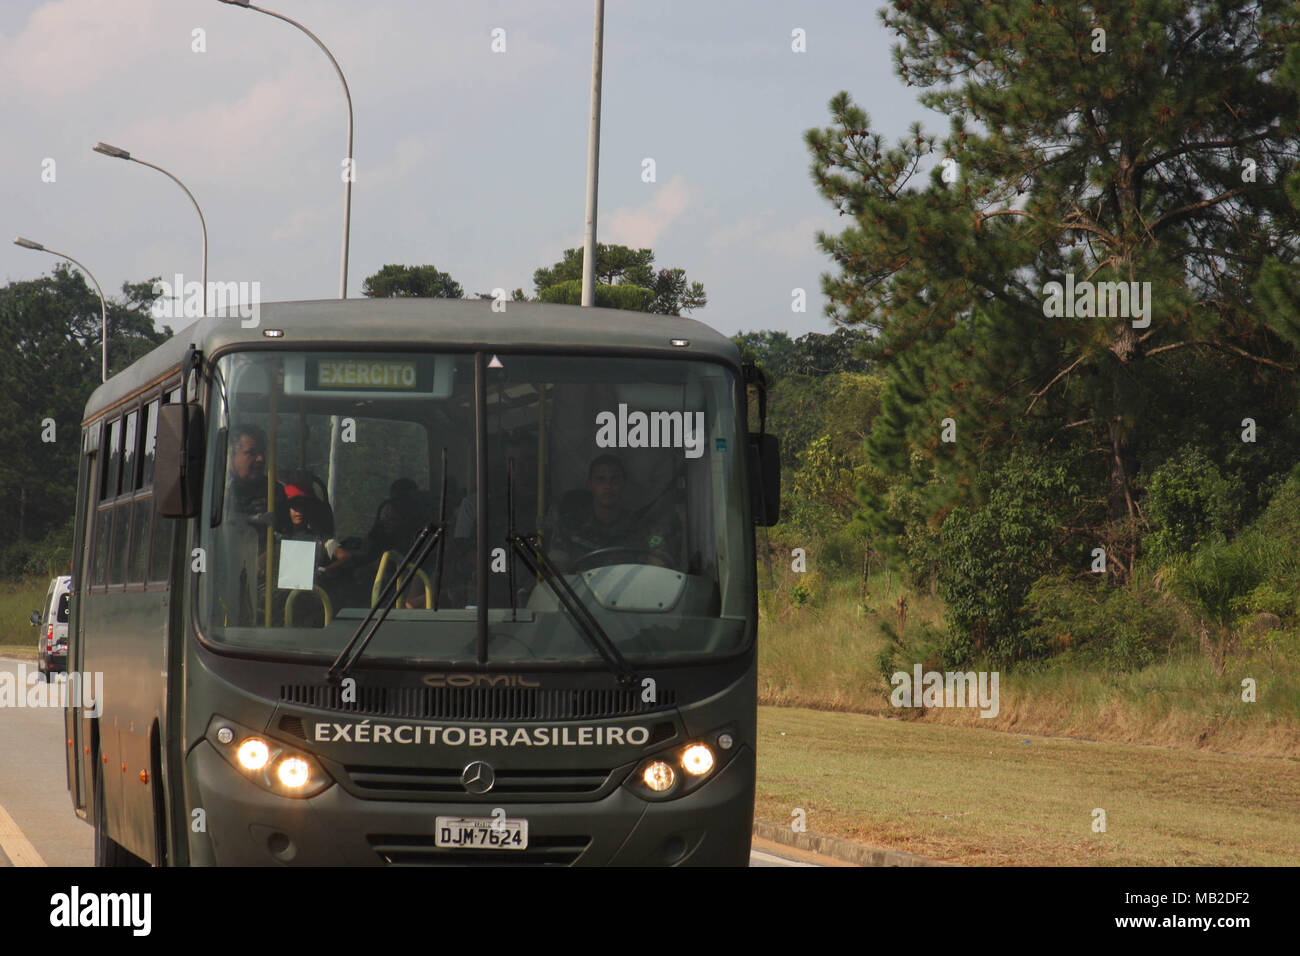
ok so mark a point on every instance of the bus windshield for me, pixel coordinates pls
(624, 473)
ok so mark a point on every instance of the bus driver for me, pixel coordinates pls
(607, 523)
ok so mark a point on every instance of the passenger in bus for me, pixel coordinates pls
(246, 492)
(397, 522)
(245, 504)
(311, 519)
(597, 518)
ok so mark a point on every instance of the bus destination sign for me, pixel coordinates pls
(386, 374)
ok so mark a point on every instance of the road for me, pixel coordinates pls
(37, 825)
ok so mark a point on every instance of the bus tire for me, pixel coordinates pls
(108, 852)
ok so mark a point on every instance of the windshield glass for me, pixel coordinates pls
(624, 473)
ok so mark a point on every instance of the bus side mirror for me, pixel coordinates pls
(178, 461)
(35, 619)
(764, 479)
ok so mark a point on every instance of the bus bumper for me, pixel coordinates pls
(248, 826)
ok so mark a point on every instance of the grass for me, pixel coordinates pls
(984, 797)
(18, 598)
(819, 644)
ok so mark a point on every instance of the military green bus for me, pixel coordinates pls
(421, 582)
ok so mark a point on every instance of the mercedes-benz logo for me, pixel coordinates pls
(478, 777)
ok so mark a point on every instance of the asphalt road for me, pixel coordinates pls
(37, 825)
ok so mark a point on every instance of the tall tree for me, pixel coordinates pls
(420, 282)
(1126, 141)
(669, 291)
(50, 334)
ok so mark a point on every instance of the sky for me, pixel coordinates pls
(465, 158)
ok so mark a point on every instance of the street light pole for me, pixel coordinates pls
(117, 153)
(351, 172)
(103, 309)
(593, 160)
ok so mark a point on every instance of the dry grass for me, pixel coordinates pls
(1003, 799)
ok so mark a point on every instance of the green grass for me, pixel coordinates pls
(979, 796)
(18, 598)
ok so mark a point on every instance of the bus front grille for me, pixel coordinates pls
(419, 850)
(413, 783)
(478, 703)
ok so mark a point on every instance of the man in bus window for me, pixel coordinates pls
(599, 519)
(245, 503)
(246, 493)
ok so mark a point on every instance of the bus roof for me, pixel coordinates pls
(414, 323)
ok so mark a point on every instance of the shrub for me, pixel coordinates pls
(1188, 500)
(1092, 621)
(992, 554)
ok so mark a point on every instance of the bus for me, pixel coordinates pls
(421, 582)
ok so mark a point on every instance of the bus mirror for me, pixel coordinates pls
(764, 479)
(35, 619)
(178, 462)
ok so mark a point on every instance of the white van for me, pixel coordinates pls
(51, 623)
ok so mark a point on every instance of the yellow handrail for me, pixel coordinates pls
(324, 600)
(401, 585)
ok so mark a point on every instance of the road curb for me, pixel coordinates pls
(846, 850)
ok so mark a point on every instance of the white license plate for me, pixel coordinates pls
(481, 833)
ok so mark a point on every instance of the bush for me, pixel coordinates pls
(631, 297)
(47, 558)
(1188, 500)
(991, 554)
(1092, 621)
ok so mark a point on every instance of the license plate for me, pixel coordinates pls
(481, 833)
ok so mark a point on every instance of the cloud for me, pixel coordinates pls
(641, 226)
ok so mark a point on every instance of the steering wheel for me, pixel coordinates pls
(601, 557)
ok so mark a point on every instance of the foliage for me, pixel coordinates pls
(627, 296)
(992, 553)
(670, 292)
(50, 340)
(1187, 501)
(1113, 165)
(419, 282)
(1098, 624)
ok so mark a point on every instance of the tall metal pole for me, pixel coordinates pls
(103, 309)
(347, 180)
(203, 225)
(331, 474)
(118, 153)
(593, 160)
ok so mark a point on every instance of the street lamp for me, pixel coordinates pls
(103, 309)
(117, 153)
(347, 180)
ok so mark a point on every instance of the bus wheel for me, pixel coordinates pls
(108, 852)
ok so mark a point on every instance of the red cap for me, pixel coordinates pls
(293, 491)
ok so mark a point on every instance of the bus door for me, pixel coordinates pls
(76, 728)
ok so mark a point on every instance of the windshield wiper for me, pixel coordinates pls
(530, 551)
(430, 536)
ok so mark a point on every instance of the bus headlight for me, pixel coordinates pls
(293, 772)
(272, 765)
(253, 754)
(677, 771)
(697, 760)
(659, 776)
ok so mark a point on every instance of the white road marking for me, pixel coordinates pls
(771, 859)
(15, 844)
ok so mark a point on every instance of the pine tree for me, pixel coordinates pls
(1126, 141)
